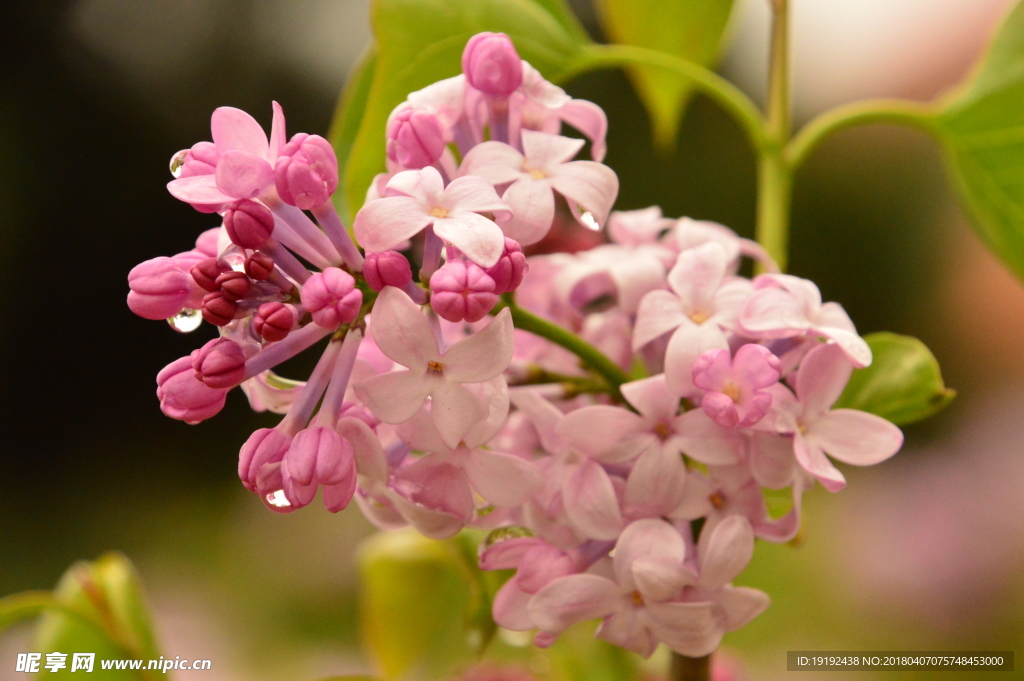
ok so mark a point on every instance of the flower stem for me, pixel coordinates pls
(689, 668)
(591, 356)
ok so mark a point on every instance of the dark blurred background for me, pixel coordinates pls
(924, 551)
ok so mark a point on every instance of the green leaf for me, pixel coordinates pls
(903, 383)
(982, 128)
(347, 118)
(691, 30)
(23, 606)
(420, 42)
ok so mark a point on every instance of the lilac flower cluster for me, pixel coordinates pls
(637, 502)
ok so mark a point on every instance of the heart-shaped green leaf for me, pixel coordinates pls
(903, 383)
(691, 30)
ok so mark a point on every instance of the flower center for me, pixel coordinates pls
(699, 317)
(537, 174)
(717, 500)
(662, 430)
(801, 427)
(435, 367)
(732, 391)
(637, 598)
(439, 212)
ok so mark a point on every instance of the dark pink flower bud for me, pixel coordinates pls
(461, 290)
(186, 261)
(234, 285)
(259, 266)
(217, 309)
(492, 65)
(331, 297)
(415, 139)
(183, 397)
(274, 321)
(201, 159)
(265, 446)
(205, 273)
(388, 268)
(306, 172)
(219, 364)
(319, 456)
(249, 224)
(159, 288)
(207, 242)
(508, 272)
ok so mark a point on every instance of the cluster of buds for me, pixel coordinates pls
(637, 502)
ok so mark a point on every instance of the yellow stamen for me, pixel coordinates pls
(439, 212)
(662, 430)
(732, 391)
(637, 598)
(435, 367)
(699, 317)
(537, 175)
(717, 500)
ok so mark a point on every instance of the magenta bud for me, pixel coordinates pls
(274, 321)
(492, 65)
(201, 159)
(159, 288)
(306, 172)
(205, 273)
(219, 364)
(234, 285)
(461, 290)
(415, 139)
(387, 268)
(259, 266)
(508, 272)
(217, 309)
(265, 446)
(183, 397)
(206, 243)
(249, 224)
(319, 456)
(331, 297)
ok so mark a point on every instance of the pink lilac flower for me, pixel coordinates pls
(462, 290)
(735, 385)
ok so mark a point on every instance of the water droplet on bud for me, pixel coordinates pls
(186, 321)
(177, 161)
(589, 221)
(278, 499)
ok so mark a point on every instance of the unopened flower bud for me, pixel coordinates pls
(183, 397)
(319, 456)
(387, 268)
(265, 446)
(234, 285)
(201, 159)
(331, 297)
(205, 273)
(249, 224)
(508, 272)
(461, 290)
(492, 65)
(415, 139)
(274, 321)
(159, 288)
(259, 266)
(217, 309)
(306, 172)
(219, 364)
(206, 243)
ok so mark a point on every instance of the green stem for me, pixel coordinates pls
(591, 356)
(689, 668)
(893, 111)
(724, 93)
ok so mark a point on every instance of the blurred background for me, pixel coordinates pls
(925, 551)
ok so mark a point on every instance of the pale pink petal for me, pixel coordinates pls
(687, 344)
(533, 210)
(659, 578)
(628, 629)
(234, 129)
(483, 355)
(771, 459)
(635, 276)
(594, 186)
(278, 136)
(855, 347)
(690, 629)
(382, 224)
(591, 503)
(494, 395)
(421, 434)
(696, 498)
(430, 523)
(652, 397)
(474, 194)
(741, 604)
(401, 331)
(813, 460)
(201, 189)
(856, 437)
(725, 551)
(454, 410)
(600, 430)
(394, 397)
(705, 441)
(657, 483)
(805, 290)
(544, 151)
(369, 456)
(542, 414)
(509, 607)
(650, 538)
(659, 312)
(820, 380)
(697, 275)
(480, 239)
(242, 175)
(496, 162)
(572, 599)
(506, 554)
(773, 313)
(426, 185)
(502, 479)
(589, 119)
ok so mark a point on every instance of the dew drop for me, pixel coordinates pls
(177, 161)
(278, 499)
(186, 321)
(589, 221)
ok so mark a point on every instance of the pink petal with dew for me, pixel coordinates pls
(242, 175)
(741, 604)
(533, 210)
(394, 397)
(572, 599)
(600, 431)
(198, 189)
(659, 313)
(235, 130)
(383, 224)
(645, 538)
(691, 629)
(480, 239)
(656, 485)
(589, 119)
(591, 185)
(820, 380)
(483, 355)
(812, 458)
(724, 552)
(591, 503)
(455, 410)
(510, 607)
(502, 479)
(856, 437)
(401, 331)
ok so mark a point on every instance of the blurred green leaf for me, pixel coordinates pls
(982, 128)
(23, 606)
(104, 612)
(347, 118)
(903, 383)
(349, 678)
(420, 42)
(691, 30)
